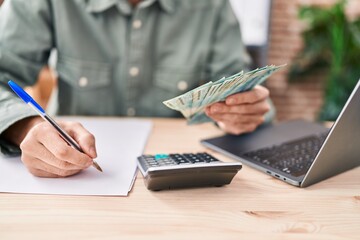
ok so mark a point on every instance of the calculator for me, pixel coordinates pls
(170, 171)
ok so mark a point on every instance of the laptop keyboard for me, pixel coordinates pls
(293, 157)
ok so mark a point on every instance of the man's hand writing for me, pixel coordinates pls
(46, 154)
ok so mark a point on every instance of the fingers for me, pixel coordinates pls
(258, 93)
(39, 152)
(41, 169)
(237, 119)
(82, 136)
(41, 173)
(237, 123)
(60, 149)
(46, 154)
(241, 112)
(260, 107)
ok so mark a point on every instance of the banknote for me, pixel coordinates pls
(192, 104)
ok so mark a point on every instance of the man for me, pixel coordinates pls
(116, 57)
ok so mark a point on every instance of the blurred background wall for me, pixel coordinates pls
(304, 99)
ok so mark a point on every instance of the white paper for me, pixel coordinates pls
(118, 141)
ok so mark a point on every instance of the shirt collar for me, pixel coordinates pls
(97, 6)
(167, 6)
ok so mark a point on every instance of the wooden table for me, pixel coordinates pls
(253, 206)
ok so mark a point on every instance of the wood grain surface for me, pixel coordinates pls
(253, 206)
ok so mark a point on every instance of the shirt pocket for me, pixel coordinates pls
(169, 82)
(85, 87)
(177, 80)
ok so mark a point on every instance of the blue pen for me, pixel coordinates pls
(34, 105)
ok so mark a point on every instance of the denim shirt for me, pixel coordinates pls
(114, 59)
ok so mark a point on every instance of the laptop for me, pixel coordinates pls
(298, 152)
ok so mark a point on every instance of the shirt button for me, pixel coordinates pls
(134, 71)
(182, 85)
(137, 24)
(83, 82)
(130, 111)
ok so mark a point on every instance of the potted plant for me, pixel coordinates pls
(331, 44)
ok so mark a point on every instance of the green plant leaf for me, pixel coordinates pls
(331, 45)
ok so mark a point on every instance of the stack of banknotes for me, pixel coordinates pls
(192, 104)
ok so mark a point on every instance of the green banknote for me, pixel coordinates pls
(192, 104)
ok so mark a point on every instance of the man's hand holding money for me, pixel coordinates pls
(241, 112)
(238, 103)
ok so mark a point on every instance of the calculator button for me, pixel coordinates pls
(211, 159)
(177, 159)
(161, 156)
(183, 161)
(199, 161)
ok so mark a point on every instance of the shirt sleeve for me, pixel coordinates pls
(25, 44)
(227, 54)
